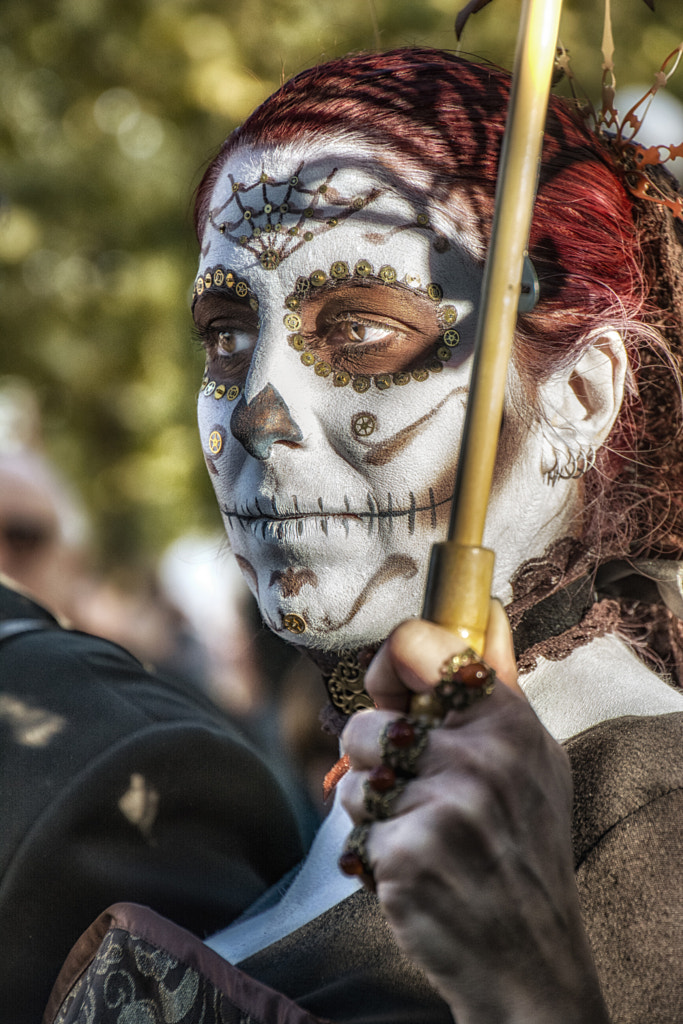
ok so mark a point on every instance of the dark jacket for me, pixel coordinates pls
(116, 785)
(345, 966)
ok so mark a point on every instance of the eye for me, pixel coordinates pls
(221, 340)
(350, 328)
(230, 341)
(360, 331)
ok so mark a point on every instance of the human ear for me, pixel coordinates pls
(578, 406)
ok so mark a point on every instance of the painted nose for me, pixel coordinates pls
(263, 422)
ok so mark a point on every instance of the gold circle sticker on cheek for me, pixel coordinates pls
(215, 442)
(294, 623)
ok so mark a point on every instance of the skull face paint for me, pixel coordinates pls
(337, 312)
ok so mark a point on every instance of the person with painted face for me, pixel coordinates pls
(517, 862)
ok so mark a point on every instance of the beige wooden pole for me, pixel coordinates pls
(461, 570)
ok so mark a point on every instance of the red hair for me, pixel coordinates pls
(446, 114)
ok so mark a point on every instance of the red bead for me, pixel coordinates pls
(400, 733)
(474, 675)
(351, 864)
(382, 778)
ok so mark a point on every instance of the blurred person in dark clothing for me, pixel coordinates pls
(117, 785)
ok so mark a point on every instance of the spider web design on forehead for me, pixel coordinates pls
(272, 219)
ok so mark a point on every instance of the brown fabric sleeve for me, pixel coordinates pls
(632, 900)
(627, 835)
(131, 957)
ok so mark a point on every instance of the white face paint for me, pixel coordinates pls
(338, 314)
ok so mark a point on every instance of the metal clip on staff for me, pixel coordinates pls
(461, 570)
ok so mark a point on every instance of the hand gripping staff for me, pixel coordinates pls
(461, 570)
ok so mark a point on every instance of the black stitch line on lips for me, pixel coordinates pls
(389, 513)
(411, 514)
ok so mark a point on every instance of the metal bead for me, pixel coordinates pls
(318, 278)
(218, 276)
(387, 274)
(362, 268)
(443, 353)
(297, 342)
(435, 292)
(294, 623)
(360, 383)
(383, 381)
(339, 269)
(233, 392)
(241, 289)
(292, 302)
(307, 358)
(422, 219)
(341, 379)
(292, 321)
(449, 314)
(420, 375)
(363, 424)
(269, 259)
(219, 392)
(323, 369)
(308, 236)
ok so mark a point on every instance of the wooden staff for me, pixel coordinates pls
(461, 570)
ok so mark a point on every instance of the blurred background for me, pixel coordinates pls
(109, 111)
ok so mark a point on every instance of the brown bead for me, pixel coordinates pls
(400, 733)
(351, 864)
(382, 778)
(474, 675)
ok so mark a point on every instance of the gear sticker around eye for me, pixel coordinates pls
(363, 424)
(216, 441)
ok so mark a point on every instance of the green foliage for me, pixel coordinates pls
(108, 111)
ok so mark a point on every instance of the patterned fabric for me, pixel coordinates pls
(134, 967)
(131, 982)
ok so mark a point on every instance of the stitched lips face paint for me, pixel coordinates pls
(337, 313)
